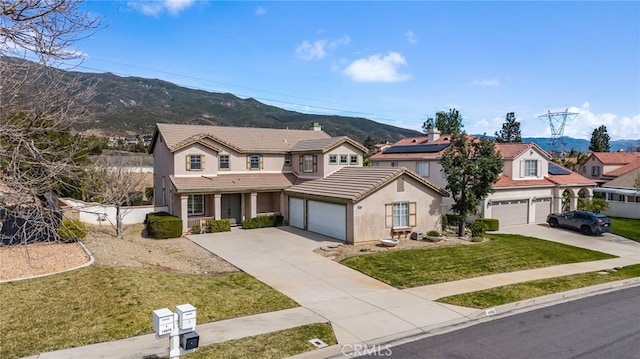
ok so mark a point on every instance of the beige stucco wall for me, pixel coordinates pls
(324, 168)
(514, 168)
(210, 159)
(162, 168)
(369, 213)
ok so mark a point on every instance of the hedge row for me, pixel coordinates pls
(162, 225)
(262, 222)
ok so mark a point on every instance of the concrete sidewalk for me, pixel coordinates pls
(360, 309)
(147, 346)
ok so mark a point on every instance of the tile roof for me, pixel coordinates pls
(354, 183)
(235, 182)
(623, 169)
(626, 180)
(571, 178)
(513, 150)
(243, 139)
(324, 144)
(410, 141)
(616, 158)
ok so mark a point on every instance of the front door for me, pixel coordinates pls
(230, 207)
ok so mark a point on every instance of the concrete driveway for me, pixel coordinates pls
(360, 308)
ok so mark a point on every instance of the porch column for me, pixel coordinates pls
(217, 197)
(254, 205)
(184, 212)
(557, 201)
(284, 208)
(573, 202)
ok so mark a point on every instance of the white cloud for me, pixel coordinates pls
(411, 37)
(260, 11)
(617, 127)
(486, 82)
(155, 8)
(377, 68)
(319, 49)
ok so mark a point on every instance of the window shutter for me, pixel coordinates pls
(301, 165)
(539, 165)
(188, 162)
(413, 207)
(522, 166)
(315, 163)
(248, 162)
(261, 164)
(202, 162)
(388, 215)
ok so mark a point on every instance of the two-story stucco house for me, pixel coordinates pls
(315, 181)
(605, 166)
(528, 189)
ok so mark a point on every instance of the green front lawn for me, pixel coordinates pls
(281, 344)
(520, 291)
(626, 227)
(504, 253)
(97, 304)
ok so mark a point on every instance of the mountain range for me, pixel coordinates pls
(133, 105)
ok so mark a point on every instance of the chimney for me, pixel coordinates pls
(316, 127)
(433, 134)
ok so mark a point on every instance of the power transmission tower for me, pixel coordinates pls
(557, 121)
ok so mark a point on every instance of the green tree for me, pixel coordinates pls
(600, 140)
(446, 122)
(510, 132)
(471, 168)
(370, 144)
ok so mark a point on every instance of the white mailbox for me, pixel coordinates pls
(162, 321)
(186, 316)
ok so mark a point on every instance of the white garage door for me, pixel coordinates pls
(296, 212)
(543, 208)
(510, 212)
(328, 219)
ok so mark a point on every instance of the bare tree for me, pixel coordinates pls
(39, 155)
(114, 182)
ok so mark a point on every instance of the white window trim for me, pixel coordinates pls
(531, 168)
(352, 162)
(346, 160)
(335, 159)
(307, 163)
(228, 162)
(190, 211)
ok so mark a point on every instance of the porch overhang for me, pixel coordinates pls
(234, 183)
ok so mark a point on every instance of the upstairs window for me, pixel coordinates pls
(595, 171)
(333, 159)
(422, 168)
(224, 162)
(343, 159)
(531, 168)
(353, 160)
(195, 162)
(308, 163)
(254, 162)
(287, 159)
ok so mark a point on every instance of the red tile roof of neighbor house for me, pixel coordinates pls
(616, 158)
(624, 169)
(362, 181)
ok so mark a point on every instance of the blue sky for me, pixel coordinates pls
(392, 62)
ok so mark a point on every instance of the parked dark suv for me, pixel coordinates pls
(585, 222)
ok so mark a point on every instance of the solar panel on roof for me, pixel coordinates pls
(431, 148)
(557, 170)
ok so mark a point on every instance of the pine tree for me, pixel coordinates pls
(510, 132)
(600, 140)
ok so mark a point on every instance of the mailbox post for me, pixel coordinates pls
(179, 327)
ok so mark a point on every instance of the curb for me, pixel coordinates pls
(481, 316)
(90, 262)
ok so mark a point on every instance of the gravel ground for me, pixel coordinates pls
(133, 250)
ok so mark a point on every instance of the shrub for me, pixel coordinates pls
(452, 219)
(196, 229)
(218, 225)
(71, 230)
(433, 234)
(492, 223)
(162, 225)
(478, 229)
(262, 222)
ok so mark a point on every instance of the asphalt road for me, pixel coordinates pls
(602, 326)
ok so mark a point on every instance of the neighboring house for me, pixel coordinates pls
(528, 189)
(605, 166)
(621, 194)
(212, 172)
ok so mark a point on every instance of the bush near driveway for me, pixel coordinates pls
(504, 253)
(626, 227)
(97, 304)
